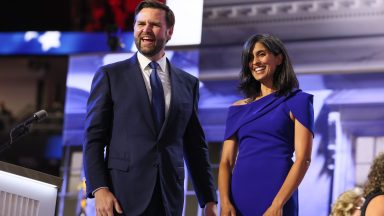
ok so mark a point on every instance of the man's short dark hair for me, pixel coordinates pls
(169, 17)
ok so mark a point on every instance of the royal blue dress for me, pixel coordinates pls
(265, 135)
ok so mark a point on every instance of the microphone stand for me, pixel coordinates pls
(15, 134)
(23, 128)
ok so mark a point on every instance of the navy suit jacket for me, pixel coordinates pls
(119, 118)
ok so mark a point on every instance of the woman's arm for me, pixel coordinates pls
(303, 148)
(228, 159)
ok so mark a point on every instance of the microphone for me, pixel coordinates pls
(37, 117)
(23, 128)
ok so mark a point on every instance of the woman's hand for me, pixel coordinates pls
(273, 211)
(227, 209)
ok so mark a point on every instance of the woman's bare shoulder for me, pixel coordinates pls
(376, 205)
(241, 102)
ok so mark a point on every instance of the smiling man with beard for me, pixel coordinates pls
(143, 110)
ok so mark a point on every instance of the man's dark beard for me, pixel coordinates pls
(151, 52)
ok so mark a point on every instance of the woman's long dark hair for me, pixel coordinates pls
(284, 78)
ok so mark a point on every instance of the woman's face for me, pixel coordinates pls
(263, 64)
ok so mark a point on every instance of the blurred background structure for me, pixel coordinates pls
(50, 50)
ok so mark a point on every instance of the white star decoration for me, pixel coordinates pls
(48, 40)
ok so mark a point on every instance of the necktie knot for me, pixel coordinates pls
(153, 65)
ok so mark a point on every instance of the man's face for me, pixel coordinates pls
(151, 32)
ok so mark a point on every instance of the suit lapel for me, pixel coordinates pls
(176, 82)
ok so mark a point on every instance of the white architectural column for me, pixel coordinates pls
(343, 175)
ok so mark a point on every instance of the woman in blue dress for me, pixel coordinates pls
(264, 131)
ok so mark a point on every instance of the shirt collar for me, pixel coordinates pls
(144, 61)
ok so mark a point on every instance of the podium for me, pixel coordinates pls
(27, 192)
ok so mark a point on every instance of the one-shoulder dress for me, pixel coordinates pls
(265, 135)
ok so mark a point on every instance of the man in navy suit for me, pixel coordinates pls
(141, 171)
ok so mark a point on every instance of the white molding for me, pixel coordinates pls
(292, 11)
(349, 68)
